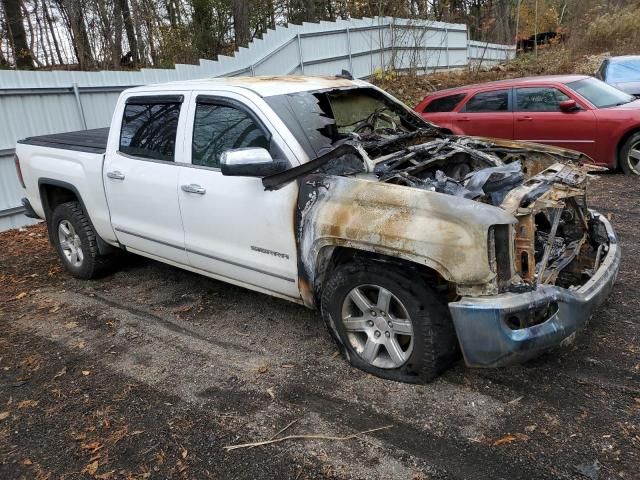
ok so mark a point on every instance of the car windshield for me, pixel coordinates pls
(624, 71)
(320, 119)
(599, 93)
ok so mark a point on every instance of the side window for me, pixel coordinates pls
(493, 101)
(444, 104)
(218, 128)
(149, 127)
(539, 99)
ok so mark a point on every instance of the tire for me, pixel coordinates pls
(628, 160)
(433, 345)
(79, 253)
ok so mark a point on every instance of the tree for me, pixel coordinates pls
(241, 22)
(22, 54)
(73, 9)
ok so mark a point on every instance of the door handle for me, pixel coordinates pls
(193, 188)
(115, 175)
(524, 119)
(463, 119)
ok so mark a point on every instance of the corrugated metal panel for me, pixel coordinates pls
(36, 103)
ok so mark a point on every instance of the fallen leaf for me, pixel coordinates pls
(70, 325)
(270, 392)
(183, 452)
(180, 467)
(503, 440)
(27, 403)
(105, 476)
(91, 468)
(27, 461)
(515, 400)
(136, 432)
(55, 309)
(60, 373)
(335, 354)
(3, 415)
(288, 365)
(530, 428)
(263, 369)
(79, 436)
(86, 372)
(93, 447)
(21, 295)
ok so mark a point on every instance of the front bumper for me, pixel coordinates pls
(487, 341)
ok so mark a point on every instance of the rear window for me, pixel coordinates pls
(149, 127)
(493, 101)
(444, 104)
(624, 71)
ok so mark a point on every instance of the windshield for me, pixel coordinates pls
(625, 71)
(599, 93)
(320, 119)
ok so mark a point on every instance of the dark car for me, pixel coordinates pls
(622, 72)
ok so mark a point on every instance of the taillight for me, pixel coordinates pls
(16, 160)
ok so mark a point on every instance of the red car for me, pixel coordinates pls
(569, 111)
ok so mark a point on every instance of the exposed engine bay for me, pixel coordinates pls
(555, 241)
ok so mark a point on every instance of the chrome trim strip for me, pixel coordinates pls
(167, 244)
(212, 257)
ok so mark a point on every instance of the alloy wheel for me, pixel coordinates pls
(378, 326)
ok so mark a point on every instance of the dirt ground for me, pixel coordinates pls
(152, 371)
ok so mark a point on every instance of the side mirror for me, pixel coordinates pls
(250, 162)
(569, 106)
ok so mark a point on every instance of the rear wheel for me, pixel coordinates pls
(388, 324)
(629, 159)
(75, 241)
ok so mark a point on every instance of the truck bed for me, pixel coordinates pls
(92, 141)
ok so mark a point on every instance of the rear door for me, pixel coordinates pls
(235, 229)
(141, 176)
(486, 114)
(438, 110)
(538, 118)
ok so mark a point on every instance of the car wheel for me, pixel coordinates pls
(76, 242)
(630, 155)
(388, 324)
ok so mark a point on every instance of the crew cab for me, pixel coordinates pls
(414, 244)
(568, 111)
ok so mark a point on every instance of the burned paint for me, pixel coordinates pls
(382, 180)
(443, 221)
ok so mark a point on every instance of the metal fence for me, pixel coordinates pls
(37, 103)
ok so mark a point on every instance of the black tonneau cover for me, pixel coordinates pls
(92, 141)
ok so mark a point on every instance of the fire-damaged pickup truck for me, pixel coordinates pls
(413, 244)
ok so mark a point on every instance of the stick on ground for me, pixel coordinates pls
(228, 448)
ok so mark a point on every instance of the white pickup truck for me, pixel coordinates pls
(325, 191)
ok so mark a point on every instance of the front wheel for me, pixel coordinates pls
(387, 323)
(629, 158)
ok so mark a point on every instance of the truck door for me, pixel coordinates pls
(233, 228)
(141, 177)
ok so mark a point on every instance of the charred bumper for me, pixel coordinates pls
(487, 336)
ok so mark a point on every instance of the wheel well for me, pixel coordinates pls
(332, 256)
(621, 143)
(54, 195)
(446, 131)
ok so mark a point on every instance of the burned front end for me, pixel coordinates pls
(504, 225)
(553, 266)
